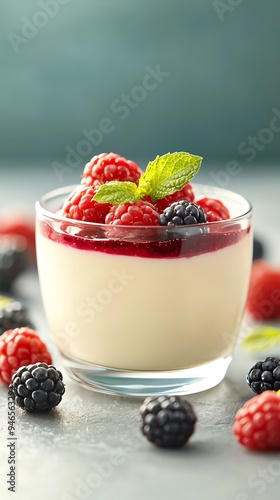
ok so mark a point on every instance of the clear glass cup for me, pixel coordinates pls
(143, 311)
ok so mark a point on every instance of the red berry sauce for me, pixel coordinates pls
(141, 242)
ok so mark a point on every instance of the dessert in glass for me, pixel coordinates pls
(149, 307)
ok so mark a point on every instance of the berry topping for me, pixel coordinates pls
(265, 375)
(263, 301)
(13, 259)
(167, 421)
(37, 387)
(163, 177)
(140, 213)
(19, 347)
(257, 423)
(215, 210)
(81, 206)
(186, 193)
(108, 167)
(182, 213)
(12, 315)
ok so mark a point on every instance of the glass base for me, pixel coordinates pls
(142, 383)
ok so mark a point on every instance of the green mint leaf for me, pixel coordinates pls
(261, 338)
(167, 174)
(163, 176)
(117, 192)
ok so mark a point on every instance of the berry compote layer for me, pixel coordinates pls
(144, 298)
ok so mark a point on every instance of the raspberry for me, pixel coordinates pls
(19, 347)
(140, 213)
(215, 210)
(257, 423)
(12, 315)
(17, 225)
(110, 167)
(263, 302)
(265, 375)
(80, 206)
(182, 213)
(186, 193)
(37, 387)
(167, 422)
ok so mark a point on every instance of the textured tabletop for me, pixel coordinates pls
(90, 447)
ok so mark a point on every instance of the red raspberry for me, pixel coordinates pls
(214, 209)
(186, 193)
(18, 225)
(140, 213)
(20, 347)
(80, 206)
(110, 167)
(263, 302)
(257, 423)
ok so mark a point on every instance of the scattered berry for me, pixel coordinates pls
(182, 213)
(81, 206)
(140, 213)
(186, 193)
(19, 347)
(258, 249)
(110, 167)
(16, 225)
(215, 210)
(263, 302)
(257, 423)
(12, 315)
(13, 259)
(167, 421)
(37, 387)
(265, 375)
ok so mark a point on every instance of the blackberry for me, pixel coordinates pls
(167, 421)
(182, 213)
(265, 375)
(13, 259)
(258, 249)
(37, 387)
(12, 315)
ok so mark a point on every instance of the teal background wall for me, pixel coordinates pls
(67, 65)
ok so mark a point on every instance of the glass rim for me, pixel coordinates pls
(40, 209)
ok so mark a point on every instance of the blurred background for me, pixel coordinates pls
(138, 78)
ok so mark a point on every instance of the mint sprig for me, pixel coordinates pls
(163, 176)
(117, 192)
(261, 338)
(168, 173)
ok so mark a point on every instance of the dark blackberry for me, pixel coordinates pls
(182, 213)
(265, 375)
(258, 249)
(13, 259)
(167, 421)
(12, 315)
(37, 387)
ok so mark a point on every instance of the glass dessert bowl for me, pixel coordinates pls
(142, 310)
